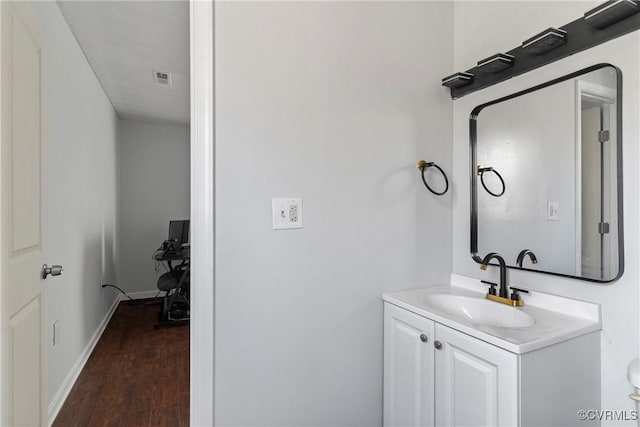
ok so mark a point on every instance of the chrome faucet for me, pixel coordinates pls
(503, 292)
(524, 253)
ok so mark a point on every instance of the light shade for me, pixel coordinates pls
(611, 12)
(545, 41)
(495, 63)
(457, 80)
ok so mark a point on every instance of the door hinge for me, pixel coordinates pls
(603, 135)
(603, 228)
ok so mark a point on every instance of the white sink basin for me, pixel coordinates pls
(479, 310)
(545, 320)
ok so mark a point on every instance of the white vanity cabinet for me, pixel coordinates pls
(436, 375)
(408, 368)
(475, 382)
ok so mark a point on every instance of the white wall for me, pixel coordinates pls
(154, 189)
(82, 204)
(518, 21)
(332, 102)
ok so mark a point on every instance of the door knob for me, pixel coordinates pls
(54, 270)
(424, 338)
(438, 345)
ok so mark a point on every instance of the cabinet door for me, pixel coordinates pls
(408, 368)
(476, 383)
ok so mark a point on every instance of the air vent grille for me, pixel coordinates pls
(162, 78)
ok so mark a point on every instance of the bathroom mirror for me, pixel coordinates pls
(546, 176)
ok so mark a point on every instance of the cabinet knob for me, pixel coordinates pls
(438, 345)
(424, 338)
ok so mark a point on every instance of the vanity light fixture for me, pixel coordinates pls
(495, 63)
(592, 29)
(545, 41)
(457, 80)
(611, 12)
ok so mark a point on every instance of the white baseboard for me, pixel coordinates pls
(68, 383)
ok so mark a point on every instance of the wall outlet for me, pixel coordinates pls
(552, 211)
(286, 213)
(56, 332)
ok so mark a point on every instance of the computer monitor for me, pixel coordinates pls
(179, 231)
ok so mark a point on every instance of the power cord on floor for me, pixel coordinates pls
(121, 291)
(131, 300)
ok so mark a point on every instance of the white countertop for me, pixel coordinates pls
(556, 318)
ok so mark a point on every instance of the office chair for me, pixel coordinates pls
(176, 297)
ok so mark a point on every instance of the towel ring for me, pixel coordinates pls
(481, 172)
(423, 166)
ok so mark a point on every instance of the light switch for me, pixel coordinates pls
(287, 213)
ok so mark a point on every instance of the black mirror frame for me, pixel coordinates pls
(473, 138)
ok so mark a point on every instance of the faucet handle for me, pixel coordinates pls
(514, 293)
(492, 286)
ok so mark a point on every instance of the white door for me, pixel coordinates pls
(22, 316)
(408, 368)
(591, 195)
(476, 383)
(596, 183)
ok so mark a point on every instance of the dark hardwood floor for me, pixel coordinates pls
(136, 376)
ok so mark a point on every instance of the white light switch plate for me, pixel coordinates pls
(287, 213)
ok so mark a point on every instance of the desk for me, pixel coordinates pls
(182, 255)
(178, 300)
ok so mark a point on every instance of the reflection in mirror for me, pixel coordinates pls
(546, 177)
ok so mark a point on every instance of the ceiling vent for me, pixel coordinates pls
(162, 78)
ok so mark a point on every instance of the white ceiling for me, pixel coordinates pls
(124, 41)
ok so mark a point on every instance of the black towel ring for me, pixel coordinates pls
(423, 166)
(481, 172)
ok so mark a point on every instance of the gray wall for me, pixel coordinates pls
(332, 102)
(154, 189)
(82, 205)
